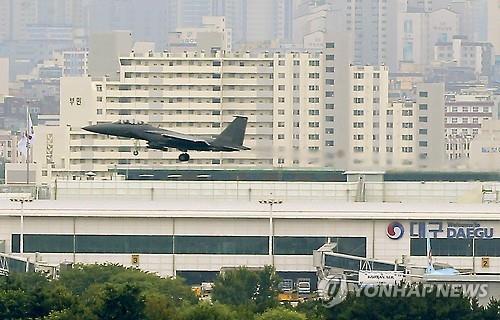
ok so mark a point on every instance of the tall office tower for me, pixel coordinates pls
(23, 13)
(256, 21)
(5, 20)
(4, 76)
(494, 25)
(367, 21)
(190, 13)
(146, 20)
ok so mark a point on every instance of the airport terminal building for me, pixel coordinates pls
(195, 239)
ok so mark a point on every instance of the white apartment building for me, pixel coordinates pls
(397, 135)
(459, 52)
(288, 98)
(369, 91)
(8, 146)
(464, 115)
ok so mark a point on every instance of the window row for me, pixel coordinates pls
(165, 244)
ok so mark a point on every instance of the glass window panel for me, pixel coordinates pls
(221, 245)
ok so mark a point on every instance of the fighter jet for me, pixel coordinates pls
(231, 139)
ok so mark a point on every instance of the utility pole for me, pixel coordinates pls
(271, 201)
(22, 200)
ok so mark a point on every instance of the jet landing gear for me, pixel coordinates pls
(136, 148)
(183, 157)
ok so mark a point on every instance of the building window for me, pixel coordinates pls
(330, 45)
(422, 119)
(330, 69)
(359, 75)
(444, 247)
(358, 124)
(314, 124)
(314, 137)
(314, 63)
(51, 243)
(357, 149)
(314, 75)
(422, 106)
(423, 94)
(281, 99)
(407, 137)
(314, 112)
(314, 100)
(355, 246)
(358, 112)
(330, 57)
(376, 75)
(358, 137)
(256, 245)
(281, 111)
(281, 136)
(329, 106)
(422, 143)
(281, 124)
(329, 118)
(359, 100)
(406, 149)
(422, 131)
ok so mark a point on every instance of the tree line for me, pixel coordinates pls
(104, 291)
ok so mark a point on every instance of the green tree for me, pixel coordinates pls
(240, 287)
(235, 287)
(123, 302)
(205, 311)
(281, 313)
(268, 288)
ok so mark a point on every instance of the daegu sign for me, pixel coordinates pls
(435, 229)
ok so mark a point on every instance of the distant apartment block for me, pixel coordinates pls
(464, 116)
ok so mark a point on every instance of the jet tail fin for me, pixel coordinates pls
(234, 134)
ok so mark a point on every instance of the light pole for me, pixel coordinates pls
(21, 236)
(271, 201)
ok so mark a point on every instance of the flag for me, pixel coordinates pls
(31, 132)
(22, 146)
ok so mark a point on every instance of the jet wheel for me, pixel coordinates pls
(183, 157)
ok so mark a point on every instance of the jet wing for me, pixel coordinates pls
(178, 136)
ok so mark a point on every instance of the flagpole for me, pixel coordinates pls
(27, 144)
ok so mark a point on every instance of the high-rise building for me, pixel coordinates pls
(417, 33)
(4, 76)
(368, 22)
(494, 25)
(368, 100)
(5, 20)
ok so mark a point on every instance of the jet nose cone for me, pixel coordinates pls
(93, 128)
